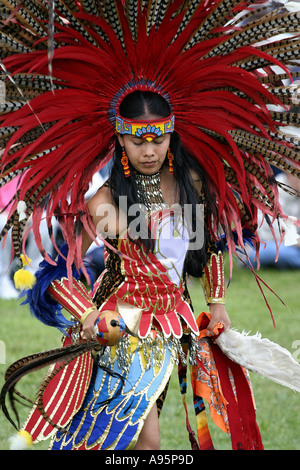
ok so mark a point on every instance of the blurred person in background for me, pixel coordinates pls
(7, 288)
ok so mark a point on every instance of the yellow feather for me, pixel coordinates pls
(24, 279)
(25, 260)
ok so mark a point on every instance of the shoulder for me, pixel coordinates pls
(102, 196)
(104, 213)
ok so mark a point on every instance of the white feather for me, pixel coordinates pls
(262, 356)
(21, 208)
(292, 6)
(291, 131)
(18, 442)
(291, 235)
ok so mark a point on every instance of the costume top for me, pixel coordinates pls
(152, 283)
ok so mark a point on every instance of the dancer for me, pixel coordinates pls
(187, 123)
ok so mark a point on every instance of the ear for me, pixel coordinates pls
(120, 139)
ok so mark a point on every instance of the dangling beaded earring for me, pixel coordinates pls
(124, 161)
(170, 158)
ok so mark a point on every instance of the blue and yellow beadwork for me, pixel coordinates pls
(148, 130)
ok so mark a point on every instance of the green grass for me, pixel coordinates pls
(278, 409)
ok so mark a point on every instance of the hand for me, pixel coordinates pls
(218, 314)
(88, 331)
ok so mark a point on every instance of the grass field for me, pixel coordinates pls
(278, 408)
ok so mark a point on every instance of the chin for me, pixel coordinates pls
(149, 169)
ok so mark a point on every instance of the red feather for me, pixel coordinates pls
(207, 90)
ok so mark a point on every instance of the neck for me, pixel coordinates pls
(137, 174)
(149, 191)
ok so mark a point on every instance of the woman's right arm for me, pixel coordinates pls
(107, 219)
(108, 222)
(72, 295)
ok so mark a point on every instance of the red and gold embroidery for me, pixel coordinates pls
(213, 281)
(74, 298)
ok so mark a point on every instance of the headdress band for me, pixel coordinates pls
(148, 130)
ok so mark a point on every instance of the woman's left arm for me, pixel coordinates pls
(213, 280)
(213, 284)
(218, 314)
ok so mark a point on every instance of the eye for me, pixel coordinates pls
(137, 141)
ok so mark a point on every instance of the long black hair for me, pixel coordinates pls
(135, 106)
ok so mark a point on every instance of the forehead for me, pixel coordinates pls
(145, 129)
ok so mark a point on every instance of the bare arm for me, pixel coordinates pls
(108, 222)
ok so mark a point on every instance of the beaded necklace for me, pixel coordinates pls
(149, 191)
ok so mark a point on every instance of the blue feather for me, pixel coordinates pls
(41, 304)
(248, 237)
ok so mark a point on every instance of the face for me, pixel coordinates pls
(146, 157)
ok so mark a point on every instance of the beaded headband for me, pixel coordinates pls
(148, 130)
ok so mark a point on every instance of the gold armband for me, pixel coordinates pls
(213, 281)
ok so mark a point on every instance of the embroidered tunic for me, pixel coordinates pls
(151, 286)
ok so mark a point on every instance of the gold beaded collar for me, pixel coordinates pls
(149, 191)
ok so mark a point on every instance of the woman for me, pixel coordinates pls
(95, 58)
(147, 158)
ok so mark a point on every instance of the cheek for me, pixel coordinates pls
(133, 152)
(167, 143)
(164, 149)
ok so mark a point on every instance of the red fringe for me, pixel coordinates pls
(244, 431)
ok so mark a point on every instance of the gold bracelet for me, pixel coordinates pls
(86, 314)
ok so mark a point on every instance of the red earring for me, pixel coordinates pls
(170, 158)
(124, 161)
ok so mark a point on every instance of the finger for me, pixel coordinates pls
(214, 328)
(209, 330)
(88, 334)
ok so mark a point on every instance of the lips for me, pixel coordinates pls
(151, 163)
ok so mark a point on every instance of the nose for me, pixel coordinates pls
(149, 149)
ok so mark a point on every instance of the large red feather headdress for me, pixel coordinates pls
(67, 65)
